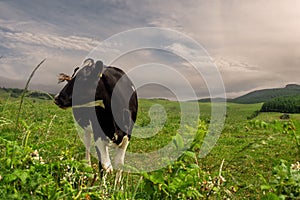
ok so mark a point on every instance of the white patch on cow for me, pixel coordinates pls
(116, 136)
(119, 158)
(105, 160)
(120, 152)
(87, 139)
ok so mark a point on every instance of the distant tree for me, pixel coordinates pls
(39, 95)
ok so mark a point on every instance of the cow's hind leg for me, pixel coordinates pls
(119, 158)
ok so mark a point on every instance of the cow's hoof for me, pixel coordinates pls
(107, 169)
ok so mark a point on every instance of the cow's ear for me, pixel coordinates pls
(99, 66)
(63, 77)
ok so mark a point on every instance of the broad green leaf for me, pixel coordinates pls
(178, 141)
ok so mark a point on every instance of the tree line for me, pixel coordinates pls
(284, 104)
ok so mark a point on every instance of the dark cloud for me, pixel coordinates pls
(255, 43)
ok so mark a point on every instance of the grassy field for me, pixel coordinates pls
(42, 156)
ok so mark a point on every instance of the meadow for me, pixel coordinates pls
(42, 156)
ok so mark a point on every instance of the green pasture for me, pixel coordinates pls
(251, 159)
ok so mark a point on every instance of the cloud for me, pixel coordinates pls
(254, 43)
(22, 50)
(225, 64)
(11, 39)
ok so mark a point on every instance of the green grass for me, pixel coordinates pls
(250, 150)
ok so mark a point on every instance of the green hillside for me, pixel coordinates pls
(16, 92)
(268, 94)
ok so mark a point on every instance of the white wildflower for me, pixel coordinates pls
(296, 166)
(35, 154)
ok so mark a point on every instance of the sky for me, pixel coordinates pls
(253, 44)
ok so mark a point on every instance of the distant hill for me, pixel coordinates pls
(214, 100)
(16, 92)
(268, 94)
(17, 83)
(258, 96)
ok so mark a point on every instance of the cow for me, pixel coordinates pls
(104, 103)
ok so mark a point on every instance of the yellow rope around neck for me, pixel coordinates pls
(91, 104)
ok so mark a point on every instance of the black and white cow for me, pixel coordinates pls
(105, 105)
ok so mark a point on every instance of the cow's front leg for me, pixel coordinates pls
(103, 154)
(120, 156)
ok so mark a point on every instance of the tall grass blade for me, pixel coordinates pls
(20, 107)
(137, 187)
(25, 90)
(50, 125)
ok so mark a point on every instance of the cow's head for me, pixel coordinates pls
(85, 81)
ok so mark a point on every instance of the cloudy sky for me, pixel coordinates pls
(253, 43)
